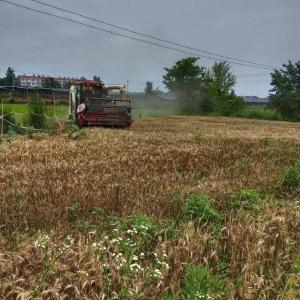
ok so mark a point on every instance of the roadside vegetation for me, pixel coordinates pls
(204, 91)
(259, 113)
(174, 208)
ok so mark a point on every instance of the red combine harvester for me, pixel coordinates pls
(90, 105)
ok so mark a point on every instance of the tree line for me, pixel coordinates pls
(200, 90)
(203, 91)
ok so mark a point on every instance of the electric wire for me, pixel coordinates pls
(126, 36)
(148, 35)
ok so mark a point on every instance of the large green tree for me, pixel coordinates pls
(50, 83)
(186, 79)
(201, 90)
(285, 92)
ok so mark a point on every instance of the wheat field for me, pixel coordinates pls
(103, 217)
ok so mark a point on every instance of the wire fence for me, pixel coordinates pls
(7, 120)
(52, 122)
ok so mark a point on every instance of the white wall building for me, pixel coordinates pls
(36, 81)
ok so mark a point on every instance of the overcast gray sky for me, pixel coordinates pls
(264, 31)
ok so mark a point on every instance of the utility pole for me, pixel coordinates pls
(127, 86)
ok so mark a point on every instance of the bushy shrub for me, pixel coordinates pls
(260, 113)
(231, 105)
(140, 222)
(199, 208)
(36, 113)
(141, 226)
(198, 283)
(287, 105)
(291, 176)
(9, 119)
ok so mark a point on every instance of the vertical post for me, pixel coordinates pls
(127, 86)
(2, 119)
(14, 83)
(54, 100)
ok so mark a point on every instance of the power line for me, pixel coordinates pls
(150, 36)
(126, 36)
(251, 75)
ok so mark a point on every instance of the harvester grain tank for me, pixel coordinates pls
(91, 105)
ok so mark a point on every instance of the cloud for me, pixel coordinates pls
(262, 31)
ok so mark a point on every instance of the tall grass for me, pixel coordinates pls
(152, 211)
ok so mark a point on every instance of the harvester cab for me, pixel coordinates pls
(91, 105)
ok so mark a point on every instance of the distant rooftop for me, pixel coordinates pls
(256, 100)
(24, 76)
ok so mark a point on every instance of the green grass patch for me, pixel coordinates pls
(257, 112)
(21, 110)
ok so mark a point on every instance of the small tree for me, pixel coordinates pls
(36, 113)
(221, 81)
(50, 83)
(149, 90)
(220, 85)
(285, 94)
(10, 78)
(97, 78)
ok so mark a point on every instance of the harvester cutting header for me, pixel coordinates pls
(91, 105)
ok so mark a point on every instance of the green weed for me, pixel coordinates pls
(198, 283)
(291, 176)
(198, 137)
(244, 199)
(74, 212)
(199, 208)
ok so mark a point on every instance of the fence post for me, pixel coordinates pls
(2, 119)
(54, 99)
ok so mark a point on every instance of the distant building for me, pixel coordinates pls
(256, 101)
(36, 81)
